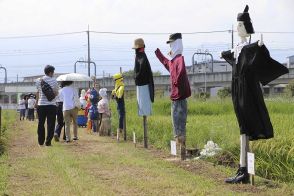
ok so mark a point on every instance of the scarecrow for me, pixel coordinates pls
(180, 88)
(118, 95)
(144, 83)
(251, 65)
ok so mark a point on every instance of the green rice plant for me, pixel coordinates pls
(215, 120)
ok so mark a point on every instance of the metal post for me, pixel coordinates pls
(205, 64)
(91, 62)
(103, 79)
(88, 35)
(232, 36)
(145, 132)
(5, 79)
(193, 63)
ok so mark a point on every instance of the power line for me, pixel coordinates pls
(42, 53)
(156, 33)
(137, 33)
(44, 35)
(276, 32)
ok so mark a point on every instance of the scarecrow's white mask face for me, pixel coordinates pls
(241, 29)
(176, 48)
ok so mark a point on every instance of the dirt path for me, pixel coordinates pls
(100, 166)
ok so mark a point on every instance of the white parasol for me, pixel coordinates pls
(74, 77)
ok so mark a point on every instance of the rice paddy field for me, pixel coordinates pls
(215, 120)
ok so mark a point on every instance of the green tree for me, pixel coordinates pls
(290, 89)
(224, 92)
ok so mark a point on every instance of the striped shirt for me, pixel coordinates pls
(42, 98)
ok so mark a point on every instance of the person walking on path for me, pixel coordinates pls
(70, 111)
(46, 109)
(118, 95)
(180, 88)
(31, 108)
(22, 108)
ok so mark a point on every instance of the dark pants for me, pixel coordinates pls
(49, 112)
(31, 114)
(22, 113)
(121, 112)
(60, 120)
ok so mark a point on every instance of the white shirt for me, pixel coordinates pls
(58, 98)
(68, 94)
(31, 103)
(21, 104)
(237, 50)
(103, 106)
(42, 98)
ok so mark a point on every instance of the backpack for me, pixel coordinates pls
(47, 90)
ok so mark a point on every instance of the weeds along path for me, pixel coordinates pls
(100, 166)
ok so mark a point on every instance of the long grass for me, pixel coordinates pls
(215, 120)
(8, 117)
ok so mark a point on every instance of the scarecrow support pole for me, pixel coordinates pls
(251, 176)
(145, 132)
(125, 128)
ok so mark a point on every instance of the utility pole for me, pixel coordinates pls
(89, 58)
(232, 36)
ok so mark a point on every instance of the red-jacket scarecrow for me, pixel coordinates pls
(180, 88)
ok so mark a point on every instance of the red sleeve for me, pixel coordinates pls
(162, 59)
(181, 69)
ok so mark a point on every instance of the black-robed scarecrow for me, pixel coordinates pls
(144, 82)
(251, 65)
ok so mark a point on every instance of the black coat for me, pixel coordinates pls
(254, 66)
(143, 73)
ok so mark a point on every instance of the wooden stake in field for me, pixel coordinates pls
(145, 132)
(134, 139)
(125, 127)
(250, 166)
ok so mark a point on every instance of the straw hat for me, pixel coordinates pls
(139, 43)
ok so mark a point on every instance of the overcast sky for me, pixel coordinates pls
(28, 56)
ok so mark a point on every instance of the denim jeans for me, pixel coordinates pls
(22, 113)
(179, 117)
(94, 126)
(121, 112)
